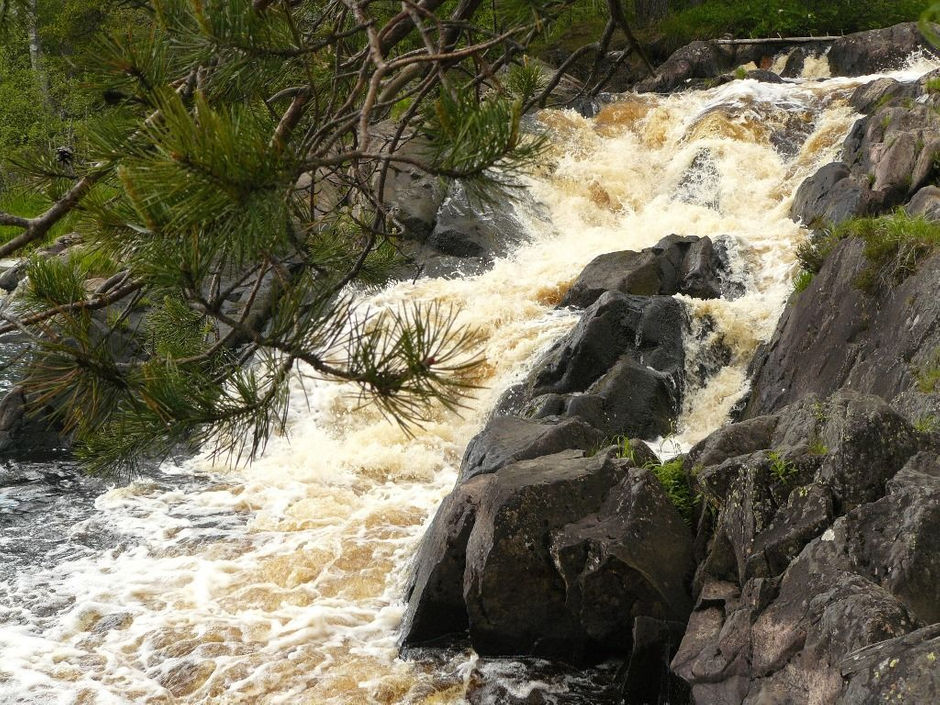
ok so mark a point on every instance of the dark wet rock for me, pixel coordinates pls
(903, 669)
(646, 677)
(833, 335)
(763, 76)
(525, 504)
(695, 60)
(632, 558)
(796, 59)
(564, 523)
(435, 591)
(926, 203)
(619, 369)
(829, 196)
(28, 434)
(876, 50)
(508, 439)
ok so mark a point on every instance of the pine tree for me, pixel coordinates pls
(222, 277)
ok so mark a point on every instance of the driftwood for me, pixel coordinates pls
(778, 40)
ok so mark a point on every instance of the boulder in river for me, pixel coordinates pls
(675, 265)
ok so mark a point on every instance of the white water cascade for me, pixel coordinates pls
(281, 581)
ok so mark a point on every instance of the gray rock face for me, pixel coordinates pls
(903, 669)
(797, 577)
(676, 264)
(832, 335)
(926, 203)
(618, 370)
(876, 50)
(831, 195)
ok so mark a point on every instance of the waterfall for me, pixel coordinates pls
(281, 581)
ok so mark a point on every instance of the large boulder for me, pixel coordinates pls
(876, 50)
(833, 335)
(676, 264)
(618, 370)
(830, 196)
(555, 556)
(903, 669)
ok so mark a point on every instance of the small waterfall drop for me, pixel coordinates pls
(281, 581)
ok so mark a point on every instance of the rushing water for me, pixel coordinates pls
(281, 582)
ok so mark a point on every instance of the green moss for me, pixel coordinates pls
(928, 377)
(802, 281)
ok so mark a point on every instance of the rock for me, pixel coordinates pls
(832, 335)
(695, 60)
(508, 439)
(435, 591)
(28, 435)
(632, 558)
(464, 228)
(789, 587)
(763, 76)
(619, 369)
(876, 50)
(526, 503)
(829, 196)
(647, 677)
(875, 94)
(926, 203)
(903, 669)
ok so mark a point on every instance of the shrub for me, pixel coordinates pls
(672, 476)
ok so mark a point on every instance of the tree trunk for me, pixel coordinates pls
(649, 11)
(35, 50)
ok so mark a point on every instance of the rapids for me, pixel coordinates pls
(281, 581)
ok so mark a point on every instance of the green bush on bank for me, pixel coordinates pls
(768, 18)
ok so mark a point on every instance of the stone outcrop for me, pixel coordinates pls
(876, 50)
(619, 370)
(833, 335)
(888, 157)
(805, 563)
(675, 265)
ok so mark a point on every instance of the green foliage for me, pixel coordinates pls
(802, 281)
(675, 481)
(781, 468)
(817, 447)
(767, 18)
(740, 73)
(927, 423)
(625, 448)
(54, 281)
(928, 377)
(894, 245)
